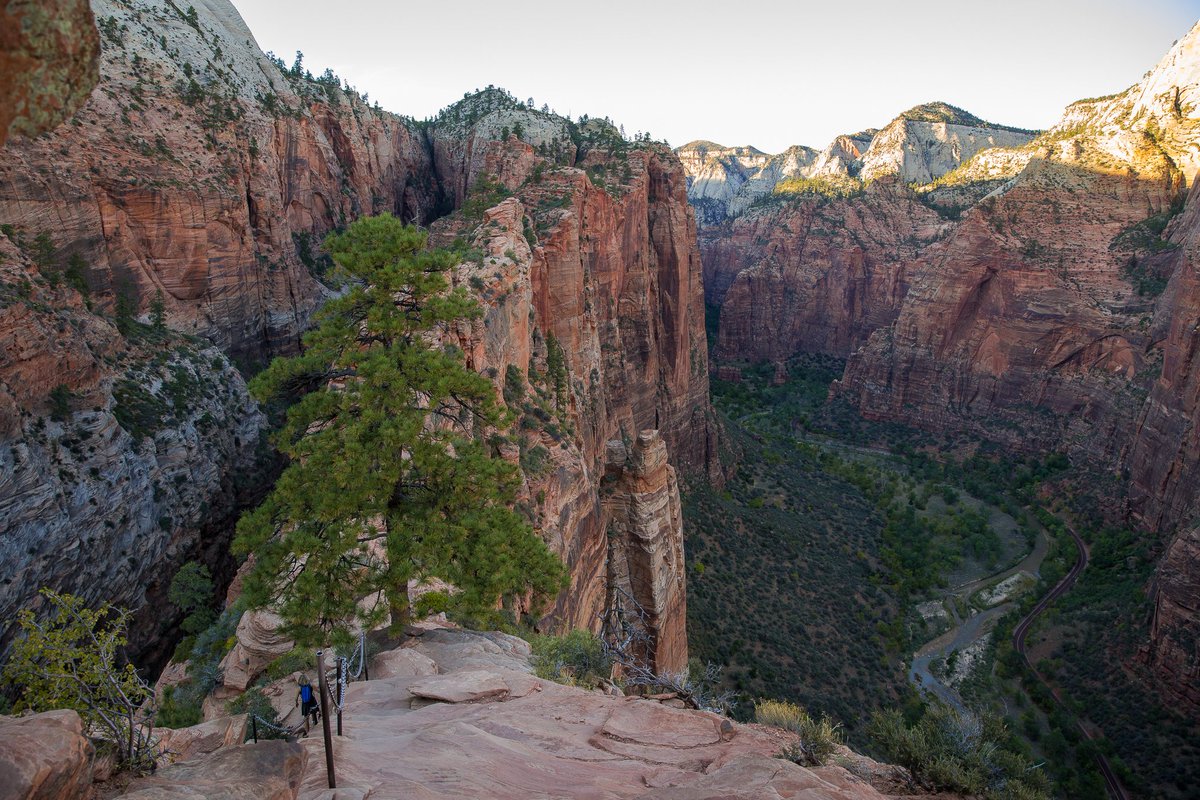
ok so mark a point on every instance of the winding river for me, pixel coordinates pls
(967, 631)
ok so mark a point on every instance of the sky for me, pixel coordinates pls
(768, 74)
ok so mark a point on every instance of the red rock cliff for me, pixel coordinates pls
(202, 175)
(199, 169)
(609, 279)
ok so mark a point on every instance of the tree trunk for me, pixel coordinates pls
(401, 610)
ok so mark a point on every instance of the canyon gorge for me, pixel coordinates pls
(1016, 297)
(1036, 289)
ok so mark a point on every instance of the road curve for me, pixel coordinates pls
(1115, 789)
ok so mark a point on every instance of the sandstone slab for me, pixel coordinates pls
(269, 770)
(45, 757)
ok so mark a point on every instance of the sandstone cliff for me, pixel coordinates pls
(199, 179)
(201, 170)
(594, 330)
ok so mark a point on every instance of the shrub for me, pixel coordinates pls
(577, 658)
(256, 704)
(962, 753)
(819, 738)
(70, 660)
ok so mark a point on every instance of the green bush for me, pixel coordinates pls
(298, 659)
(179, 708)
(577, 658)
(255, 703)
(947, 751)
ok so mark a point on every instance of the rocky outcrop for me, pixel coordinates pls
(646, 573)
(270, 770)
(497, 731)
(45, 757)
(201, 170)
(593, 329)
(48, 55)
(184, 744)
(930, 140)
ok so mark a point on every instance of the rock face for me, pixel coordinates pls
(1175, 628)
(724, 181)
(48, 54)
(45, 757)
(593, 325)
(645, 562)
(526, 737)
(199, 179)
(828, 259)
(930, 140)
(814, 274)
(200, 170)
(121, 458)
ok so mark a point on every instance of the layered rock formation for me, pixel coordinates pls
(122, 456)
(930, 140)
(594, 325)
(645, 561)
(816, 274)
(200, 170)
(194, 187)
(483, 726)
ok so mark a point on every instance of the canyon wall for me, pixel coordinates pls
(183, 208)
(594, 304)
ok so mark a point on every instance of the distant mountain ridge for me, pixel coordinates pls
(919, 145)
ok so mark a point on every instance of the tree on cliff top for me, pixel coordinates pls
(390, 479)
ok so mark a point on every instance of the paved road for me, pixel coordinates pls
(1113, 784)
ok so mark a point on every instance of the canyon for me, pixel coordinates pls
(165, 188)
(170, 229)
(1032, 289)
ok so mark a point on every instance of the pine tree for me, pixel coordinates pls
(390, 477)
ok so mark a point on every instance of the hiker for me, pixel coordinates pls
(306, 698)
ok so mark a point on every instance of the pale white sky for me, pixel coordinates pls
(770, 74)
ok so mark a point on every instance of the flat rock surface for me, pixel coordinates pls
(502, 733)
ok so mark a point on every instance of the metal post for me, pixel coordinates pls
(341, 690)
(254, 727)
(324, 687)
(362, 644)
